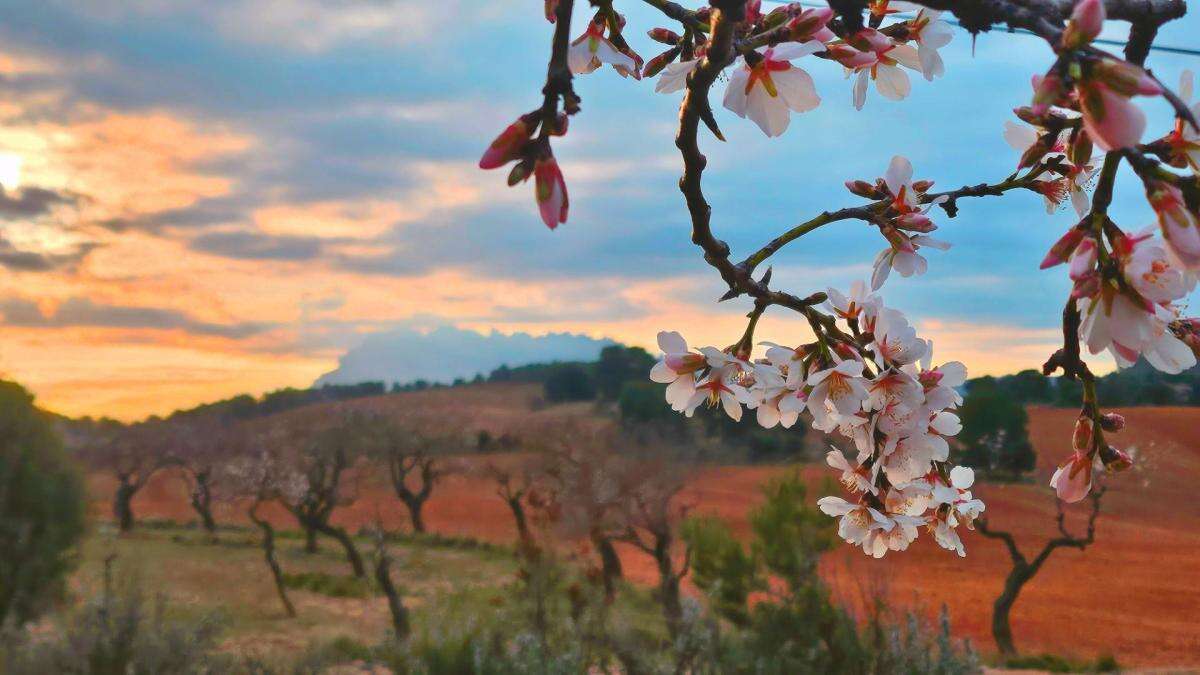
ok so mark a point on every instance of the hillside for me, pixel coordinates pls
(1130, 594)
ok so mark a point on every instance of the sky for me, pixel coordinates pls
(207, 198)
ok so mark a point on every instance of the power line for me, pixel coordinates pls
(1113, 43)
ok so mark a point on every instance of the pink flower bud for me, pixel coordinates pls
(1086, 22)
(915, 222)
(1125, 78)
(811, 24)
(1086, 286)
(1048, 90)
(520, 172)
(550, 192)
(664, 35)
(655, 65)
(1063, 248)
(850, 57)
(1083, 260)
(753, 11)
(509, 144)
(551, 10)
(862, 188)
(1180, 226)
(1081, 438)
(1112, 422)
(1114, 459)
(871, 40)
(1073, 479)
(1111, 119)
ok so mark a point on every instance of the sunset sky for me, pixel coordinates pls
(205, 198)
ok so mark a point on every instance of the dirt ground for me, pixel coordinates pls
(1134, 594)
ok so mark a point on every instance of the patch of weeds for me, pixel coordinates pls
(329, 584)
(1054, 663)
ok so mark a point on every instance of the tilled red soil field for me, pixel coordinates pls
(1135, 593)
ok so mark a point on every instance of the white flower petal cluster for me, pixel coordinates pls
(884, 397)
(1135, 321)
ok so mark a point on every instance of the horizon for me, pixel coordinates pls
(196, 210)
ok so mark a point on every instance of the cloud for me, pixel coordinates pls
(15, 258)
(29, 201)
(444, 353)
(83, 312)
(246, 245)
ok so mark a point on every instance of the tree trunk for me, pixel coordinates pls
(123, 505)
(1001, 628)
(202, 504)
(414, 514)
(668, 586)
(310, 539)
(268, 544)
(518, 511)
(610, 563)
(383, 575)
(352, 555)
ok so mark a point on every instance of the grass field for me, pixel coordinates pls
(1134, 594)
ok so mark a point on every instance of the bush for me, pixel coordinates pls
(116, 635)
(569, 382)
(42, 506)
(994, 435)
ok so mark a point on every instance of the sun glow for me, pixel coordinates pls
(10, 171)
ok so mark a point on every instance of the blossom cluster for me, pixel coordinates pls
(1128, 288)
(903, 220)
(876, 388)
(767, 87)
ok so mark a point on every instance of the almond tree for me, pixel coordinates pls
(323, 451)
(515, 480)
(199, 445)
(259, 474)
(1024, 569)
(415, 460)
(652, 517)
(861, 371)
(591, 484)
(131, 453)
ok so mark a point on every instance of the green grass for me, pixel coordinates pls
(1053, 663)
(197, 578)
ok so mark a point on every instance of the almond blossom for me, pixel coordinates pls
(884, 68)
(674, 76)
(718, 388)
(856, 477)
(1184, 139)
(1180, 226)
(1072, 480)
(1137, 321)
(677, 368)
(856, 521)
(930, 33)
(841, 386)
(902, 256)
(767, 89)
(592, 50)
(893, 409)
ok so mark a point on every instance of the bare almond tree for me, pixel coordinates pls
(515, 479)
(415, 460)
(131, 453)
(1024, 569)
(324, 450)
(199, 445)
(652, 516)
(261, 474)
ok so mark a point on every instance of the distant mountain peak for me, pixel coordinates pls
(444, 353)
